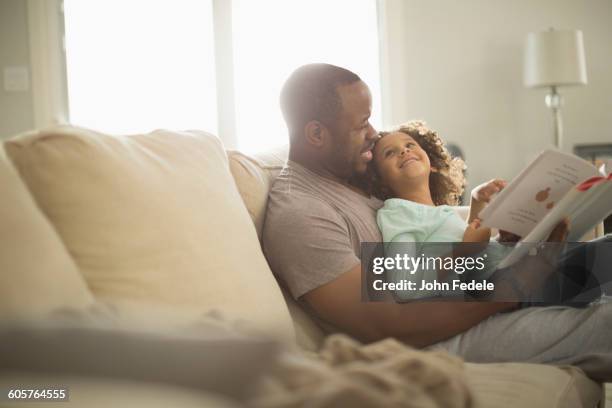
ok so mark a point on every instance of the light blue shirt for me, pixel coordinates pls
(407, 227)
(401, 220)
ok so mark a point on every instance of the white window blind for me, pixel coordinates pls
(134, 66)
(137, 65)
(273, 37)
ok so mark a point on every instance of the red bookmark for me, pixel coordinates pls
(585, 185)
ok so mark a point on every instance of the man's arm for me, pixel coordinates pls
(417, 323)
(421, 323)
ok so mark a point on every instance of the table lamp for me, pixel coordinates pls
(555, 58)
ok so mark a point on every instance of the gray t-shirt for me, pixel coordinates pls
(314, 226)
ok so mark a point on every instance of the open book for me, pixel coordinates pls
(555, 185)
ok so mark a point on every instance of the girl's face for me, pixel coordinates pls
(401, 162)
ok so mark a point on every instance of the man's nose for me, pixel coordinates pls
(372, 134)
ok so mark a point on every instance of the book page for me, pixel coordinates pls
(585, 209)
(535, 192)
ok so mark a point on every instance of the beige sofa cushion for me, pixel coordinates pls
(37, 276)
(531, 385)
(254, 176)
(154, 218)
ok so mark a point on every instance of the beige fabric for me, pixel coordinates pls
(154, 218)
(531, 385)
(212, 355)
(273, 158)
(37, 276)
(254, 177)
(308, 334)
(383, 374)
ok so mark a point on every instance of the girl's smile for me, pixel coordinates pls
(412, 163)
(407, 160)
(400, 161)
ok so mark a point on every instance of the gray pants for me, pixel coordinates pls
(552, 335)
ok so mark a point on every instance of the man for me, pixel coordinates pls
(316, 220)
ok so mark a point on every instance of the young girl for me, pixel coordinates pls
(413, 172)
(419, 181)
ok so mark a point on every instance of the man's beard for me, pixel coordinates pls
(361, 181)
(343, 163)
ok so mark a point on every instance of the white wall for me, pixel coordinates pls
(458, 65)
(16, 108)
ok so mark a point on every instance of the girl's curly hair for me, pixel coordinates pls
(447, 183)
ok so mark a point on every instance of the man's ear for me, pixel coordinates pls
(316, 133)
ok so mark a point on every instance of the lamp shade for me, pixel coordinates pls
(555, 58)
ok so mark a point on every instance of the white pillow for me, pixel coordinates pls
(153, 218)
(37, 276)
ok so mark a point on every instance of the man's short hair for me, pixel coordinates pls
(310, 93)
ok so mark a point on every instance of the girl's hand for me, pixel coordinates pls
(475, 233)
(485, 191)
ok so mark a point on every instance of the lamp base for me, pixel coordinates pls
(554, 101)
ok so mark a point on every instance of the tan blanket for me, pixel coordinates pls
(346, 373)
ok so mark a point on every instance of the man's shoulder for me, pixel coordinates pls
(294, 191)
(296, 203)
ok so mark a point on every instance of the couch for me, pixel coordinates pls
(169, 221)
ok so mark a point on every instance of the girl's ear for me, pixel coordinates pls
(433, 169)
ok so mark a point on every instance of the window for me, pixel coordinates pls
(134, 66)
(273, 37)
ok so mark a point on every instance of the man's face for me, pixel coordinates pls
(352, 136)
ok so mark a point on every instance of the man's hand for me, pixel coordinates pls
(505, 236)
(530, 273)
(559, 234)
(485, 191)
